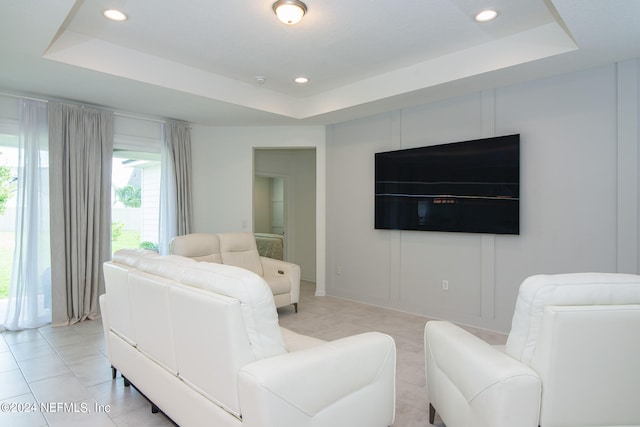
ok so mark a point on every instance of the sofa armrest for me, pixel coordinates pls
(350, 381)
(274, 267)
(469, 379)
(104, 312)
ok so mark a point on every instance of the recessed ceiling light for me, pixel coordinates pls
(115, 15)
(301, 80)
(486, 15)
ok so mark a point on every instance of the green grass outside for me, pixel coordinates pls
(6, 257)
(128, 239)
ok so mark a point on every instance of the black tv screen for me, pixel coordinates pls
(471, 186)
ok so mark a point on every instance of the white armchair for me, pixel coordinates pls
(240, 250)
(572, 359)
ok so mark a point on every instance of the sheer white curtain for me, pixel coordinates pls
(29, 303)
(175, 183)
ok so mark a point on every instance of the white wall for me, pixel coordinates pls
(579, 188)
(223, 177)
(579, 197)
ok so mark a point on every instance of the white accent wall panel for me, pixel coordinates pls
(577, 192)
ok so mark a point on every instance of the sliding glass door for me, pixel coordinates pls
(135, 184)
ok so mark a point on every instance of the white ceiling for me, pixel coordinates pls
(197, 60)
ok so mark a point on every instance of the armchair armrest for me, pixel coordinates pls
(468, 379)
(350, 381)
(274, 267)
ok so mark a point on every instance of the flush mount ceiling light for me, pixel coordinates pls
(486, 15)
(289, 12)
(115, 15)
(301, 80)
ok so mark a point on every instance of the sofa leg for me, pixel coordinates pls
(113, 372)
(154, 409)
(295, 306)
(432, 414)
(126, 382)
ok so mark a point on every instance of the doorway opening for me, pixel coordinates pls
(284, 202)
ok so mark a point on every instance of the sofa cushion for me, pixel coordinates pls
(167, 266)
(297, 342)
(198, 246)
(539, 291)
(255, 295)
(132, 257)
(256, 302)
(240, 250)
(149, 295)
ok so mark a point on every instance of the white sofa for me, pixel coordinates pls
(572, 359)
(202, 342)
(240, 250)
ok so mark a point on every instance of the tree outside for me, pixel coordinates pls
(7, 187)
(130, 196)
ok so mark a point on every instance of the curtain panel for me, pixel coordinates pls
(29, 302)
(80, 150)
(176, 212)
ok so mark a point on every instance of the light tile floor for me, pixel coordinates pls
(62, 377)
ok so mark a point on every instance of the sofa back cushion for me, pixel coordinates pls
(201, 321)
(539, 291)
(210, 344)
(197, 246)
(256, 299)
(116, 280)
(132, 257)
(150, 305)
(240, 250)
(256, 302)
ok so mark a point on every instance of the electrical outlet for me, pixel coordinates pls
(445, 285)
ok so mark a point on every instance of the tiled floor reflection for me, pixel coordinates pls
(62, 377)
(332, 318)
(67, 369)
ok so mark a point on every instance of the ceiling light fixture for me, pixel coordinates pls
(115, 15)
(301, 80)
(486, 15)
(289, 12)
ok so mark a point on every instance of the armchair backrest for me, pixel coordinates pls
(588, 360)
(204, 247)
(537, 292)
(240, 249)
(581, 334)
(237, 249)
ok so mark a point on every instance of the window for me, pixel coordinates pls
(135, 184)
(8, 177)
(25, 275)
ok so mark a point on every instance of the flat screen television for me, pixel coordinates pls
(470, 186)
